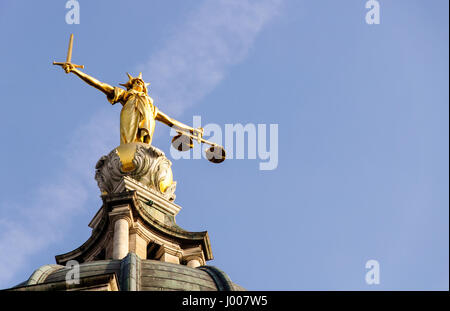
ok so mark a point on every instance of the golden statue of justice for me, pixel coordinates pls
(138, 115)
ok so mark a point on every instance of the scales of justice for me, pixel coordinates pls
(136, 157)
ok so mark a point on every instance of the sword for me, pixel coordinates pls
(69, 56)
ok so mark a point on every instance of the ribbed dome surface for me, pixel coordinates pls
(133, 273)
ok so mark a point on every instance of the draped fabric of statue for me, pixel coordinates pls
(137, 118)
(138, 115)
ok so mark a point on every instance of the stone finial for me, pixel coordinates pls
(142, 162)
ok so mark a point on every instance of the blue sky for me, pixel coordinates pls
(362, 112)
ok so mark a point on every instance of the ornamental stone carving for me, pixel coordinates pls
(142, 162)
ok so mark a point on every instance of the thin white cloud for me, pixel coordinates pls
(193, 62)
(43, 218)
(197, 57)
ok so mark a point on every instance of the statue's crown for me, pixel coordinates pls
(131, 79)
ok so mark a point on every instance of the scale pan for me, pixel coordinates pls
(215, 154)
(182, 142)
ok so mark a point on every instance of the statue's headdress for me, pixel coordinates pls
(131, 80)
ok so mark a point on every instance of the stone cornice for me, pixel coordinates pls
(101, 222)
(148, 194)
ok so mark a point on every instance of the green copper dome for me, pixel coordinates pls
(130, 273)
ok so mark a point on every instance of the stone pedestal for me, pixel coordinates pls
(138, 212)
(141, 162)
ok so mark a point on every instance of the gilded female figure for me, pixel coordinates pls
(138, 115)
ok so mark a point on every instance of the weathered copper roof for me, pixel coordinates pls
(132, 273)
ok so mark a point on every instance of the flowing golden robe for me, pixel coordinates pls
(137, 118)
